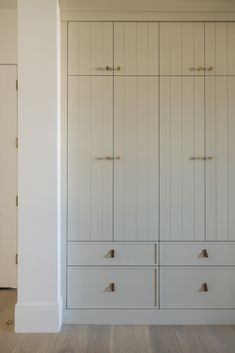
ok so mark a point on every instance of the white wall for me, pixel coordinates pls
(8, 36)
(39, 300)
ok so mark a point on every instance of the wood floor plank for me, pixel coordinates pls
(163, 339)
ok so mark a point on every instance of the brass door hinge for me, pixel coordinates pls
(17, 200)
(17, 142)
(16, 259)
(17, 85)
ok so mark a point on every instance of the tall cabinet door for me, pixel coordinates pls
(90, 141)
(136, 48)
(90, 48)
(136, 172)
(220, 145)
(181, 150)
(182, 48)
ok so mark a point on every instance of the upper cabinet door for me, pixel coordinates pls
(220, 48)
(182, 48)
(181, 159)
(136, 172)
(220, 146)
(90, 48)
(136, 48)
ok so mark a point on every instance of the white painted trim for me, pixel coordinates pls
(38, 317)
(146, 16)
(149, 317)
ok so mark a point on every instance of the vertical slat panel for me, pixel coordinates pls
(90, 48)
(210, 47)
(199, 150)
(231, 157)
(216, 48)
(217, 141)
(210, 149)
(136, 48)
(181, 179)
(89, 179)
(181, 48)
(136, 173)
(231, 48)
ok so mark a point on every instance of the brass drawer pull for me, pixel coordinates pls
(110, 254)
(109, 68)
(203, 254)
(204, 287)
(110, 288)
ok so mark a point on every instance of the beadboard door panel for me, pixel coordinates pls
(181, 48)
(220, 171)
(90, 48)
(136, 173)
(181, 178)
(136, 48)
(220, 48)
(90, 138)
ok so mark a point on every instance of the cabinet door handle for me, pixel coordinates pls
(203, 288)
(209, 68)
(108, 158)
(109, 68)
(203, 254)
(110, 254)
(201, 158)
(198, 68)
(110, 288)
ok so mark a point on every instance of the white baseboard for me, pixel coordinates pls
(38, 317)
(150, 317)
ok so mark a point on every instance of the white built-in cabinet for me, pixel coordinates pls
(151, 165)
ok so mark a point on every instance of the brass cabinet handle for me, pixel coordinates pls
(109, 68)
(209, 68)
(203, 288)
(110, 254)
(201, 68)
(109, 158)
(110, 288)
(203, 254)
(198, 68)
(201, 158)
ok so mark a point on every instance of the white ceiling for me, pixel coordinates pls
(8, 4)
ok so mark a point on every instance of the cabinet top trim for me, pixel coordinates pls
(147, 16)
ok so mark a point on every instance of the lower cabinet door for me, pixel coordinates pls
(201, 288)
(111, 288)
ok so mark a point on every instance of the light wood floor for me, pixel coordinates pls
(114, 339)
(124, 339)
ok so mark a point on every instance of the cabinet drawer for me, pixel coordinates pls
(111, 288)
(197, 288)
(197, 254)
(111, 254)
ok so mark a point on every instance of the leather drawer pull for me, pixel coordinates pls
(204, 288)
(110, 254)
(203, 254)
(110, 288)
